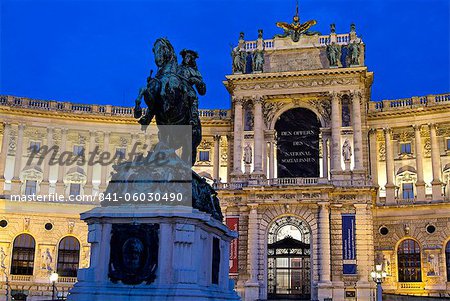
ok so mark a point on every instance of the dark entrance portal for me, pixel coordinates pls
(288, 260)
(298, 144)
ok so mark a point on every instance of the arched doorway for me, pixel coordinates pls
(298, 144)
(289, 260)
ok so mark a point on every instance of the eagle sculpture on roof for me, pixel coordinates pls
(295, 29)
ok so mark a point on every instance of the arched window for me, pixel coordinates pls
(408, 258)
(23, 255)
(447, 260)
(68, 257)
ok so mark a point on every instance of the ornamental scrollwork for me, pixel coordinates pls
(269, 111)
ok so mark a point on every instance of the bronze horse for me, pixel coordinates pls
(170, 98)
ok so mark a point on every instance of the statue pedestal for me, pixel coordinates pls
(347, 165)
(141, 252)
(248, 168)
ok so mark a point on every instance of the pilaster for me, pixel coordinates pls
(390, 186)
(61, 167)
(336, 117)
(45, 184)
(258, 136)
(357, 131)
(15, 182)
(237, 138)
(436, 163)
(420, 183)
(4, 153)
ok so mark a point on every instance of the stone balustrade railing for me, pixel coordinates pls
(295, 182)
(409, 103)
(341, 39)
(21, 278)
(107, 110)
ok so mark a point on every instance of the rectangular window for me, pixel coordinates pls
(78, 150)
(35, 146)
(405, 148)
(30, 187)
(408, 190)
(75, 189)
(448, 143)
(120, 153)
(203, 156)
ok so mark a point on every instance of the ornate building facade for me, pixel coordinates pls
(320, 182)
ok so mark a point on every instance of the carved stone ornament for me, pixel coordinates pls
(382, 151)
(324, 109)
(12, 143)
(76, 178)
(31, 174)
(427, 147)
(134, 253)
(269, 111)
(123, 141)
(70, 226)
(300, 83)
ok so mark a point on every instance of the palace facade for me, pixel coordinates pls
(321, 183)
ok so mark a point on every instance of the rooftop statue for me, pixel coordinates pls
(354, 50)
(239, 58)
(296, 29)
(333, 54)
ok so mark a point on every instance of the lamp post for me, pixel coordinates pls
(54, 279)
(378, 275)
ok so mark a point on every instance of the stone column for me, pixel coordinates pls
(252, 284)
(90, 169)
(436, 163)
(324, 285)
(216, 165)
(4, 154)
(237, 142)
(271, 159)
(45, 184)
(258, 136)
(15, 182)
(373, 153)
(324, 242)
(420, 183)
(325, 155)
(264, 157)
(104, 170)
(363, 251)
(390, 187)
(61, 167)
(336, 117)
(357, 131)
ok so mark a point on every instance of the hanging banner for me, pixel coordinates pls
(233, 224)
(348, 243)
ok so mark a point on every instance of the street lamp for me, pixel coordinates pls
(378, 275)
(54, 279)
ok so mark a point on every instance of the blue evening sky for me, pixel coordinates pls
(99, 51)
